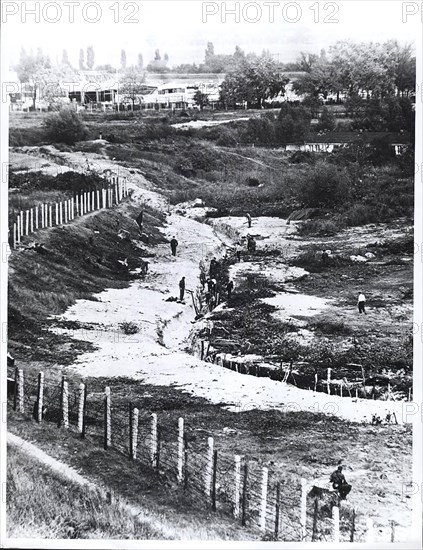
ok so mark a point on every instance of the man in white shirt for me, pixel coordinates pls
(361, 303)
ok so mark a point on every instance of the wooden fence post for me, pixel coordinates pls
(40, 394)
(369, 532)
(352, 526)
(153, 443)
(340, 389)
(237, 485)
(328, 380)
(180, 449)
(81, 201)
(244, 496)
(92, 200)
(65, 214)
(81, 397)
(315, 514)
(18, 229)
(22, 222)
(27, 223)
(98, 199)
(64, 405)
(32, 220)
(36, 217)
(15, 390)
(335, 517)
(214, 478)
(263, 503)
(277, 510)
(208, 470)
(103, 198)
(43, 218)
(85, 202)
(56, 213)
(303, 517)
(14, 235)
(21, 407)
(50, 213)
(135, 416)
(107, 418)
(131, 434)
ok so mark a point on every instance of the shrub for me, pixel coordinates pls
(128, 327)
(66, 127)
(325, 185)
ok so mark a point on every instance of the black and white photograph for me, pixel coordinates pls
(211, 274)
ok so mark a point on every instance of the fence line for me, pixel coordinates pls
(41, 216)
(259, 498)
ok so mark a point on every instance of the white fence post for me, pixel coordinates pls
(370, 536)
(20, 391)
(50, 214)
(180, 449)
(65, 207)
(265, 473)
(103, 197)
(153, 443)
(335, 517)
(328, 380)
(93, 201)
(22, 223)
(81, 407)
(36, 217)
(43, 217)
(108, 419)
(27, 223)
(18, 229)
(135, 416)
(14, 235)
(40, 396)
(98, 199)
(65, 405)
(303, 518)
(208, 470)
(81, 200)
(61, 212)
(32, 220)
(57, 213)
(85, 202)
(237, 485)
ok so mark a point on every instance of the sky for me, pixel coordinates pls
(182, 28)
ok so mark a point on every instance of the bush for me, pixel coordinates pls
(66, 127)
(128, 327)
(325, 185)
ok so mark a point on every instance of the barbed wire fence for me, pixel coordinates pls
(276, 506)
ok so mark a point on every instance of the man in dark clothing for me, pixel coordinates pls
(212, 270)
(248, 219)
(173, 245)
(202, 279)
(229, 288)
(339, 483)
(182, 288)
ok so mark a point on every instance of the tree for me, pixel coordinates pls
(140, 64)
(90, 57)
(65, 58)
(157, 56)
(34, 70)
(81, 59)
(132, 85)
(327, 120)
(293, 124)
(65, 127)
(201, 99)
(123, 60)
(254, 80)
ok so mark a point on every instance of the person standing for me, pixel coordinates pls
(202, 279)
(248, 219)
(238, 251)
(173, 245)
(361, 303)
(182, 288)
(229, 288)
